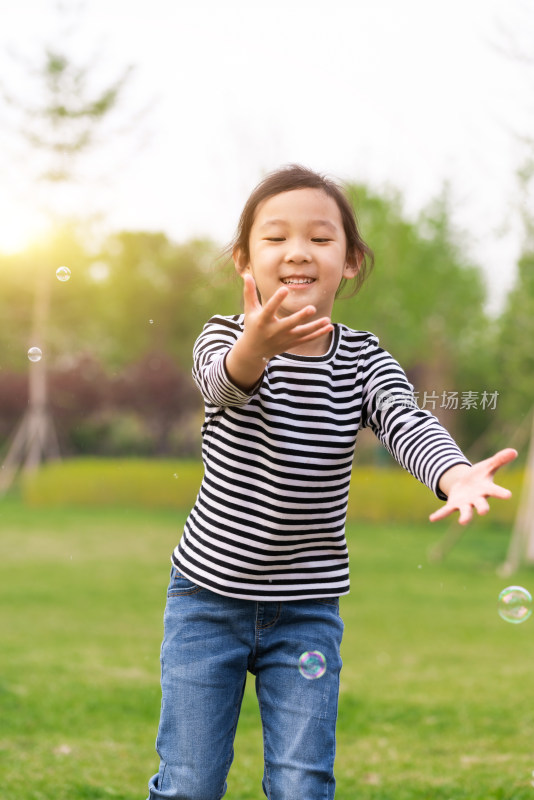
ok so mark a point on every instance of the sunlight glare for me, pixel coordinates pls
(19, 228)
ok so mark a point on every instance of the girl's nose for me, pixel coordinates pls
(297, 253)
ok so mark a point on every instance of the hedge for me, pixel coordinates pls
(377, 494)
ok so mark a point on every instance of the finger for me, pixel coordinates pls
(274, 302)
(500, 458)
(311, 327)
(250, 296)
(499, 491)
(482, 506)
(441, 513)
(466, 514)
(316, 334)
(506, 455)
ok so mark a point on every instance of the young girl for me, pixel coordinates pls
(258, 573)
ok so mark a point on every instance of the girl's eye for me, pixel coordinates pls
(275, 239)
(319, 240)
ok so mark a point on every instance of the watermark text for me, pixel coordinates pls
(433, 400)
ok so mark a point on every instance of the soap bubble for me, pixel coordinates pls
(63, 273)
(35, 354)
(312, 665)
(515, 604)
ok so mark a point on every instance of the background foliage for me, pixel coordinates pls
(121, 330)
(376, 495)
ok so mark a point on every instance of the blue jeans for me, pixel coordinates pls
(210, 643)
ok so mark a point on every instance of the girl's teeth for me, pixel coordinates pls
(297, 280)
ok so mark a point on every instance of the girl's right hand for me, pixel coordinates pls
(266, 335)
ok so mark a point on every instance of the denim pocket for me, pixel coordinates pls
(328, 601)
(180, 585)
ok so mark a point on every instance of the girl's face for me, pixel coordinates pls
(297, 240)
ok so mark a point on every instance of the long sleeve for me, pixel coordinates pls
(413, 436)
(209, 368)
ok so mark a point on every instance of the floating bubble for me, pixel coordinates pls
(63, 273)
(151, 321)
(312, 665)
(35, 354)
(515, 604)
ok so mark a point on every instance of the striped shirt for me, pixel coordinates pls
(269, 520)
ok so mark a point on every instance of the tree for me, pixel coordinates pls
(119, 338)
(61, 129)
(515, 352)
(516, 360)
(425, 301)
(158, 294)
(423, 293)
(64, 125)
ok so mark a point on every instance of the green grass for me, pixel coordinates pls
(437, 697)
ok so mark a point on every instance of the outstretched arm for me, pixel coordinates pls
(469, 487)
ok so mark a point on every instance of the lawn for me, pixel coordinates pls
(437, 695)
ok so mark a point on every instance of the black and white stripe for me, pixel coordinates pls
(269, 519)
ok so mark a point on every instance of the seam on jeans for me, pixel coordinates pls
(162, 775)
(262, 627)
(326, 601)
(183, 592)
(230, 758)
(331, 783)
(172, 592)
(266, 776)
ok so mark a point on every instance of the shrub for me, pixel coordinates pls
(377, 495)
(114, 435)
(114, 482)
(392, 494)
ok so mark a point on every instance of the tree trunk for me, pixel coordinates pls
(35, 438)
(521, 546)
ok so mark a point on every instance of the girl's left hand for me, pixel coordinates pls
(468, 487)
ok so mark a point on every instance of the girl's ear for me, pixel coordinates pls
(352, 265)
(240, 262)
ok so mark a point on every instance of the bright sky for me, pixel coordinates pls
(408, 94)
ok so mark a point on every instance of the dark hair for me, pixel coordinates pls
(291, 177)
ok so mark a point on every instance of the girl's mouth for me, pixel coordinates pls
(297, 281)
